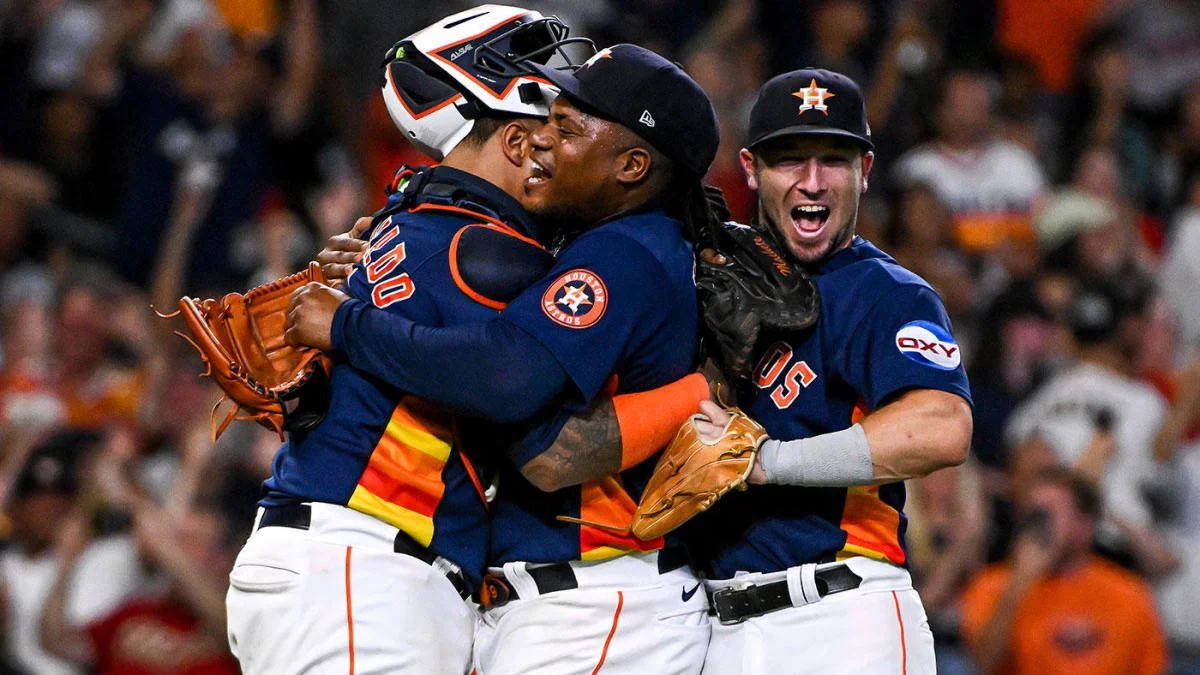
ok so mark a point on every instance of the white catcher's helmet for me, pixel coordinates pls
(438, 80)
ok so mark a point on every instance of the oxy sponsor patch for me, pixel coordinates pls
(928, 344)
(577, 299)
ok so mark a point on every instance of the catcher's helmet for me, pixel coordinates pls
(438, 80)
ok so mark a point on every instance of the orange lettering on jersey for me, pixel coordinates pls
(771, 364)
(393, 290)
(798, 377)
(383, 266)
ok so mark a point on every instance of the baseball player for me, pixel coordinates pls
(373, 529)
(806, 571)
(570, 590)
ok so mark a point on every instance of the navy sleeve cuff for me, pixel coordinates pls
(341, 323)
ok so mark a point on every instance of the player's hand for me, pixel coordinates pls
(310, 315)
(342, 251)
(714, 426)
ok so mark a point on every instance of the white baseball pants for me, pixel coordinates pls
(336, 598)
(879, 628)
(625, 617)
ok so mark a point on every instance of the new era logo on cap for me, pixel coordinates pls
(646, 118)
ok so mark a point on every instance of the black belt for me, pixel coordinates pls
(734, 605)
(299, 517)
(497, 591)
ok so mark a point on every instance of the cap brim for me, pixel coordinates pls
(806, 130)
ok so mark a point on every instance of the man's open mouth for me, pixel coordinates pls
(809, 217)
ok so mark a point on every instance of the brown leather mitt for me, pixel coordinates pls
(240, 339)
(694, 472)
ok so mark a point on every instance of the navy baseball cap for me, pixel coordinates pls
(810, 102)
(650, 95)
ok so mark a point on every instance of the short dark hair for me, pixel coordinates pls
(483, 129)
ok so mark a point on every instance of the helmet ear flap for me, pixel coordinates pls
(432, 113)
(418, 91)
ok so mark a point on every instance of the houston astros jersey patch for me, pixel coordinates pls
(577, 299)
(928, 344)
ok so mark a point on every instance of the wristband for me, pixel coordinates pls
(836, 459)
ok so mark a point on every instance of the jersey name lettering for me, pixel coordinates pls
(799, 376)
(396, 289)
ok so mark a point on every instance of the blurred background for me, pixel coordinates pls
(1046, 184)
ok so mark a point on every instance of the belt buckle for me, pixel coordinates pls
(495, 592)
(724, 601)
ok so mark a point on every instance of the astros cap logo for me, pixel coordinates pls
(814, 97)
(576, 299)
(605, 53)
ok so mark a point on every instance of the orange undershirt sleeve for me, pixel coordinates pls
(649, 419)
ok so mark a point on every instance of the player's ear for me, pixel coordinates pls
(868, 161)
(633, 165)
(746, 159)
(514, 140)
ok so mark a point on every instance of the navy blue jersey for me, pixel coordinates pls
(620, 303)
(882, 331)
(379, 450)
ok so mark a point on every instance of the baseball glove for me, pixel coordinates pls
(240, 339)
(694, 472)
(754, 288)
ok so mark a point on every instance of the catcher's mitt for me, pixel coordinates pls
(754, 288)
(693, 472)
(240, 338)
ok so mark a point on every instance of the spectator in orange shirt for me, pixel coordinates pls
(1054, 607)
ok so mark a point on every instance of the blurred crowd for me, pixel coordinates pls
(1047, 185)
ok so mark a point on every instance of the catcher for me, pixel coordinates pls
(872, 394)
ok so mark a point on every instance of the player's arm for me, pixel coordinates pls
(907, 369)
(505, 370)
(921, 431)
(492, 370)
(613, 435)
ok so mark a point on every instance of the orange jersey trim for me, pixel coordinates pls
(872, 527)
(454, 271)
(605, 501)
(402, 483)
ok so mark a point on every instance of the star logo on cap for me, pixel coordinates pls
(605, 53)
(814, 97)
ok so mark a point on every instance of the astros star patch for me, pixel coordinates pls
(576, 299)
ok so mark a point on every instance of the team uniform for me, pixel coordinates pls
(813, 579)
(374, 526)
(617, 314)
